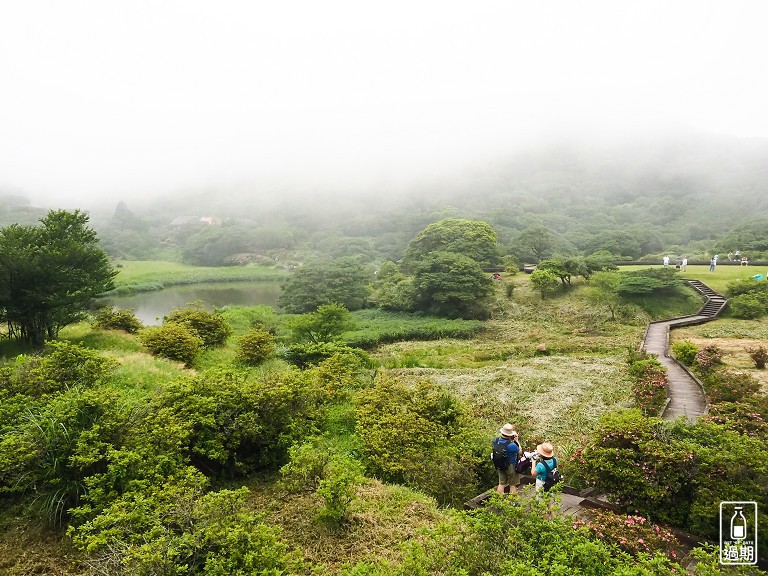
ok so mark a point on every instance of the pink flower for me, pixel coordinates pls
(641, 541)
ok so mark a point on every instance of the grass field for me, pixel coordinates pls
(717, 280)
(147, 275)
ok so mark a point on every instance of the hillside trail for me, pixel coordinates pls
(685, 397)
(685, 394)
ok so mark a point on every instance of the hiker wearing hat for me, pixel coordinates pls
(505, 452)
(546, 466)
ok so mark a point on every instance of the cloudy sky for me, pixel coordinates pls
(130, 99)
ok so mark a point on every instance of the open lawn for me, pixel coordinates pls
(717, 280)
(147, 275)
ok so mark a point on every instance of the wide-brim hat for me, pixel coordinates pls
(545, 449)
(507, 430)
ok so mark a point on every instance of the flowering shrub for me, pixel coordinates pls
(632, 533)
(743, 417)
(727, 386)
(708, 357)
(649, 386)
(759, 356)
(677, 472)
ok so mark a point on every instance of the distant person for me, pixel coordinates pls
(685, 263)
(506, 450)
(730, 256)
(677, 262)
(712, 264)
(744, 261)
(738, 255)
(545, 471)
(665, 260)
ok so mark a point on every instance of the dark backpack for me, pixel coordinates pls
(553, 476)
(499, 454)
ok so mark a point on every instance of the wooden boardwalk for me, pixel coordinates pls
(685, 394)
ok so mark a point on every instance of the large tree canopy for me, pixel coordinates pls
(343, 281)
(475, 240)
(49, 274)
(452, 285)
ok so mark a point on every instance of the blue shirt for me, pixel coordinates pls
(512, 449)
(543, 469)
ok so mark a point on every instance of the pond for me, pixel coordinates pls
(150, 307)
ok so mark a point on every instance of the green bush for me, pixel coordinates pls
(403, 427)
(229, 424)
(514, 537)
(209, 326)
(685, 351)
(62, 366)
(55, 447)
(255, 346)
(333, 475)
(308, 354)
(175, 527)
(117, 319)
(727, 386)
(676, 472)
(747, 416)
(172, 341)
(747, 307)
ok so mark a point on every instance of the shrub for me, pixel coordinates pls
(649, 384)
(727, 386)
(675, 472)
(402, 427)
(746, 417)
(53, 449)
(255, 346)
(685, 351)
(229, 424)
(307, 354)
(172, 341)
(632, 533)
(709, 357)
(747, 307)
(759, 356)
(63, 366)
(117, 319)
(333, 475)
(209, 326)
(177, 528)
(514, 537)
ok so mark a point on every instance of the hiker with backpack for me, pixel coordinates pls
(545, 471)
(506, 450)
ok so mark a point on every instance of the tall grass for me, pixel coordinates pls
(374, 327)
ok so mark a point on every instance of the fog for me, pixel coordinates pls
(104, 101)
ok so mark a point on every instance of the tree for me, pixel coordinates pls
(475, 240)
(343, 281)
(604, 290)
(50, 274)
(452, 285)
(536, 241)
(213, 244)
(545, 282)
(324, 325)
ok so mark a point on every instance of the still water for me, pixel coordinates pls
(150, 307)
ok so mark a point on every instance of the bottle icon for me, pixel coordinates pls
(738, 524)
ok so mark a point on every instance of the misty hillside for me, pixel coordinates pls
(694, 194)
